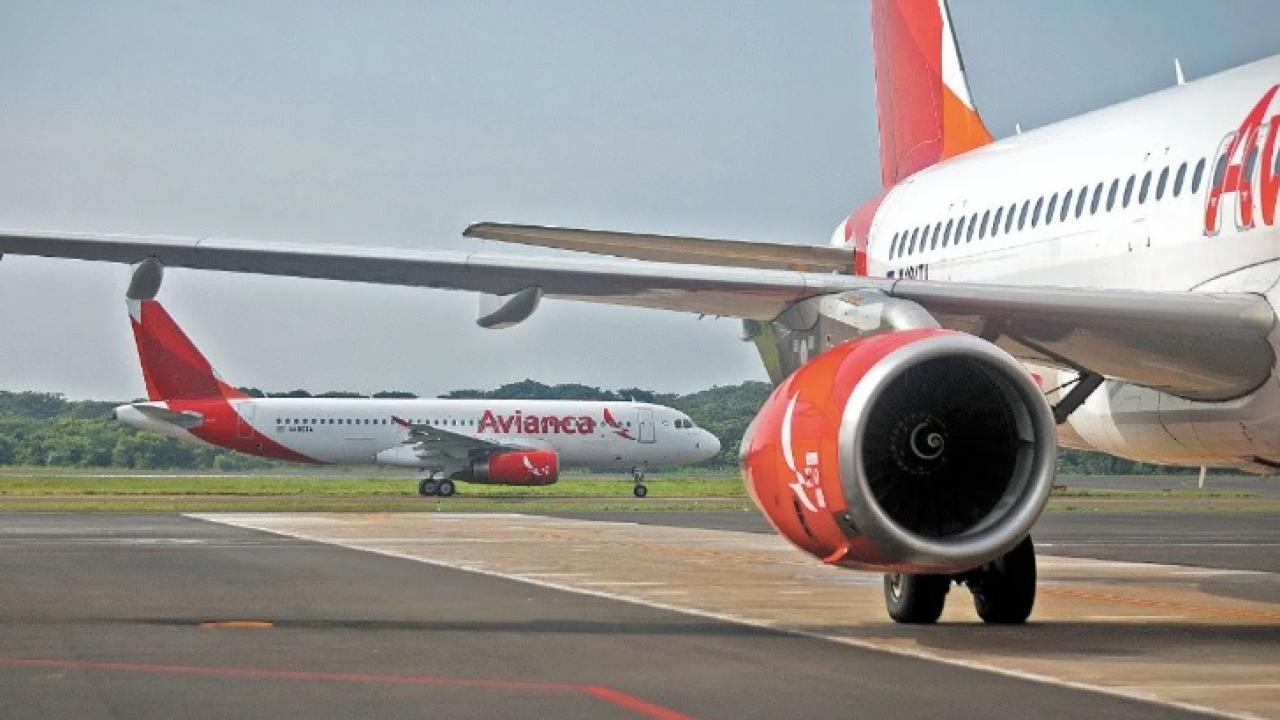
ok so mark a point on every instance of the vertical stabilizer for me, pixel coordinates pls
(926, 112)
(172, 366)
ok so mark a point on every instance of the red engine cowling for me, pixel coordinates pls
(915, 451)
(525, 467)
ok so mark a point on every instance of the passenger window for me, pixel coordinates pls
(982, 229)
(1035, 215)
(973, 223)
(1111, 194)
(1197, 176)
(1008, 218)
(946, 234)
(1097, 198)
(911, 249)
(1164, 180)
(1048, 215)
(1066, 205)
(937, 230)
(1128, 191)
(1022, 216)
(1178, 177)
(1146, 185)
(893, 245)
(1084, 193)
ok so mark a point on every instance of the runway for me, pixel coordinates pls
(1236, 540)
(105, 615)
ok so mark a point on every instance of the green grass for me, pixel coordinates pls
(38, 490)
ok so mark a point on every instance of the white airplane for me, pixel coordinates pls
(1107, 282)
(496, 442)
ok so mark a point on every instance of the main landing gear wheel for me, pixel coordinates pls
(640, 490)
(1004, 590)
(445, 488)
(915, 599)
(427, 487)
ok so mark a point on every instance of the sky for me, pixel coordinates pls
(399, 123)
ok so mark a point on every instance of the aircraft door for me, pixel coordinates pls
(646, 425)
(244, 420)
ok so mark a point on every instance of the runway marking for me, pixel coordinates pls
(614, 697)
(622, 583)
(1163, 604)
(1133, 618)
(594, 541)
(236, 625)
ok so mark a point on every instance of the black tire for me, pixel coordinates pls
(1004, 590)
(640, 491)
(446, 488)
(426, 488)
(915, 599)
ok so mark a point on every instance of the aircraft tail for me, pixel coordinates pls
(926, 112)
(172, 367)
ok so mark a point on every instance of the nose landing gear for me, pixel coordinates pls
(640, 490)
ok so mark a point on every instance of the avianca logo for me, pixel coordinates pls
(535, 471)
(616, 426)
(518, 422)
(1242, 155)
(808, 484)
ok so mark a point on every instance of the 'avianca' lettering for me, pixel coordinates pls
(536, 424)
(1241, 154)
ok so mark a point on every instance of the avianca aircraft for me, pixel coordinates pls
(1107, 282)
(498, 442)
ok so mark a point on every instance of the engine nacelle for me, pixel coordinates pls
(915, 451)
(522, 467)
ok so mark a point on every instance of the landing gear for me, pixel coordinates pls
(1004, 590)
(445, 488)
(640, 490)
(915, 599)
(427, 487)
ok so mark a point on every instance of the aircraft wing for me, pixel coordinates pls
(1198, 345)
(671, 248)
(436, 442)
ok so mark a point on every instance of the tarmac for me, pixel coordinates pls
(501, 615)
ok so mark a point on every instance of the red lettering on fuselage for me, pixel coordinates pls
(1237, 148)
(519, 422)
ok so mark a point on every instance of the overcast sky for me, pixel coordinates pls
(397, 124)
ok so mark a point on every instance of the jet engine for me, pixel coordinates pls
(920, 451)
(521, 467)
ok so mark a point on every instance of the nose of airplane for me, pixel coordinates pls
(709, 444)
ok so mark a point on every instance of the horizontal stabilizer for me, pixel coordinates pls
(186, 420)
(672, 248)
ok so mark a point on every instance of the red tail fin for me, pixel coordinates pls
(926, 112)
(172, 366)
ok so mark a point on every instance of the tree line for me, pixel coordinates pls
(46, 429)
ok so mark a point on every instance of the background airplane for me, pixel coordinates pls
(1107, 282)
(498, 442)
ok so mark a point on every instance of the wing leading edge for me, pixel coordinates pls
(1197, 345)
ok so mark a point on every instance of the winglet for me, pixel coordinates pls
(172, 367)
(926, 112)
